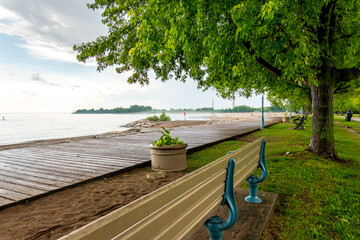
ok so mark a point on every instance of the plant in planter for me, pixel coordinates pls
(168, 153)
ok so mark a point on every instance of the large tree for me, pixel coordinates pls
(251, 45)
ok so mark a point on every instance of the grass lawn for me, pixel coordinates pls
(317, 198)
(352, 124)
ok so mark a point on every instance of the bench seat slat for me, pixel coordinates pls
(149, 226)
(167, 202)
(200, 210)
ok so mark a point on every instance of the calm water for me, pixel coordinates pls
(20, 127)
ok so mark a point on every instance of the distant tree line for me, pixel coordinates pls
(236, 109)
(131, 109)
(244, 108)
(137, 109)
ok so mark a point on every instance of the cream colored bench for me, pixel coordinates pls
(176, 210)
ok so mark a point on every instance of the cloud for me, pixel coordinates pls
(50, 28)
(9, 70)
(36, 77)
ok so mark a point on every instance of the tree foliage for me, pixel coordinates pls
(276, 46)
(349, 101)
(131, 109)
(227, 45)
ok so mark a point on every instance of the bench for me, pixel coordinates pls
(176, 210)
(300, 121)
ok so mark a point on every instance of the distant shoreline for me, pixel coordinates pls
(149, 109)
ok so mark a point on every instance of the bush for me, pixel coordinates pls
(163, 117)
(153, 118)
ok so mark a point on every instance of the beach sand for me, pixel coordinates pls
(57, 214)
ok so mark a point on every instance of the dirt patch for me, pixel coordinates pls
(347, 128)
(252, 218)
(60, 213)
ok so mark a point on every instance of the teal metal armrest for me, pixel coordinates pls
(215, 224)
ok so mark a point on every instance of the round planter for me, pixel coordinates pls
(169, 157)
(286, 119)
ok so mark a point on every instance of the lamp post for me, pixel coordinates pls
(290, 108)
(262, 112)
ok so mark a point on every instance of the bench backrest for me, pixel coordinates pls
(176, 210)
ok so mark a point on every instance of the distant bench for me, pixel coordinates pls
(300, 122)
(176, 210)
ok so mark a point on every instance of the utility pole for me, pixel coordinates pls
(233, 100)
(213, 109)
(262, 112)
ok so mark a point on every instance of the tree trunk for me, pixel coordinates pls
(322, 139)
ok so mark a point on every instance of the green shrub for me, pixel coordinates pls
(153, 118)
(163, 117)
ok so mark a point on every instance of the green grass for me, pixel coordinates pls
(352, 124)
(201, 158)
(317, 198)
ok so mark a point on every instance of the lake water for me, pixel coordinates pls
(23, 127)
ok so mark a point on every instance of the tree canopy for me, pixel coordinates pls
(349, 101)
(276, 46)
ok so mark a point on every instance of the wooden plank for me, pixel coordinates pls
(55, 166)
(25, 171)
(27, 177)
(5, 201)
(81, 174)
(26, 183)
(124, 153)
(50, 172)
(29, 192)
(107, 144)
(83, 157)
(14, 196)
(63, 164)
(60, 161)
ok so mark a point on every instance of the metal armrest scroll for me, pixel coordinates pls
(254, 181)
(215, 224)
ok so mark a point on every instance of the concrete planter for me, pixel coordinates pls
(286, 119)
(168, 157)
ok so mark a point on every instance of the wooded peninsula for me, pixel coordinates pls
(142, 109)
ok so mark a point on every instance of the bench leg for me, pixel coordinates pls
(215, 225)
(214, 232)
(254, 181)
(253, 185)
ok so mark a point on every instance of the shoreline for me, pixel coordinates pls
(132, 128)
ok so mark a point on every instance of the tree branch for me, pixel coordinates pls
(270, 68)
(341, 87)
(346, 74)
(346, 36)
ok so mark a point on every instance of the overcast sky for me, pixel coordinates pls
(39, 71)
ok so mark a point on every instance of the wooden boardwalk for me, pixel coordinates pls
(31, 172)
